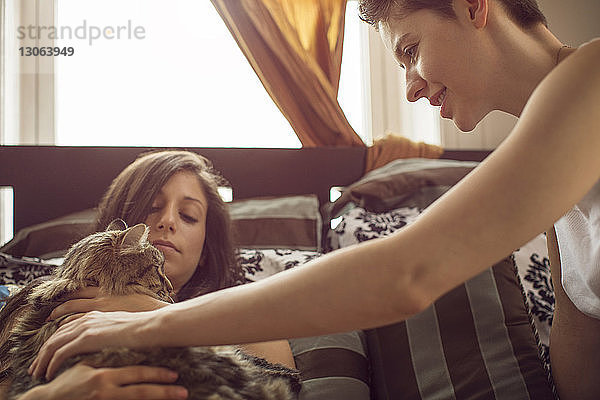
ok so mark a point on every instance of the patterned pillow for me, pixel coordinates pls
(358, 225)
(333, 367)
(261, 263)
(533, 266)
(21, 271)
(475, 342)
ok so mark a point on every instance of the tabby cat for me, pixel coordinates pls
(121, 261)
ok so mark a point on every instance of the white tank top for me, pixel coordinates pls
(578, 235)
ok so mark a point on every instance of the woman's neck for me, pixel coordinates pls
(525, 58)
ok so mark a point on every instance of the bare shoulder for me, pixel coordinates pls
(591, 46)
(568, 96)
(582, 65)
(584, 59)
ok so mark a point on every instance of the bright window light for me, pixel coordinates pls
(226, 193)
(6, 211)
(173, 77)
(335, 193)
(350, 92)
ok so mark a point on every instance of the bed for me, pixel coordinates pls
(485, 339)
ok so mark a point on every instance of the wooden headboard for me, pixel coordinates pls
(51, 181)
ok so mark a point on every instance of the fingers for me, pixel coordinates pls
(88, 292)
(80, 301)
(142, 382)
(70, 318)
(151, 392)
(73, 306)
(132, 382)
(142, 374)
(56, 349)
(55, 358)
(133, 302)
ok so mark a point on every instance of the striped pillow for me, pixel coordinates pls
(475, 342)
(454, 348)
(333, 367)
(292, 222)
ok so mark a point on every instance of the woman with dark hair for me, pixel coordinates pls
(176, 194)
(467, 57)
(137, 195)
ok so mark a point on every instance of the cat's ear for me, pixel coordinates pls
(116, 225)
(135, 235)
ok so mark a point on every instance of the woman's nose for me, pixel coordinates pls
(166, 220)
(415, 85)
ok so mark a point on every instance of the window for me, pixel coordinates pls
(182, 81)
(6, 211)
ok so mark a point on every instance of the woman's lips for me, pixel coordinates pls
(439, 99)
(165, 245)
(444, 110)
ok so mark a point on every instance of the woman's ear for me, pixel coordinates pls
(476, 11)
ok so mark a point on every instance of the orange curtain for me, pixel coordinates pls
(295, 48)
(392, 147)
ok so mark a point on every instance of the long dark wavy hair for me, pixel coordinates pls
(525, 13)
(130, 198)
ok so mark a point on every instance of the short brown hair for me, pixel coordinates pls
(526, 13)
(130, 198)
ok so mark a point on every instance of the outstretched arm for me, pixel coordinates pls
(550, 159)
(90, 299)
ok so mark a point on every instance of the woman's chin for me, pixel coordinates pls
(466, 124)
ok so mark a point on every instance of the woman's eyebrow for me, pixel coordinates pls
(195, 200)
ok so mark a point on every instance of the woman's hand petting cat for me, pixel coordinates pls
(87, 333)
(134, 382)
(90, 299)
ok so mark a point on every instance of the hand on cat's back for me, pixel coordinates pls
(91, 299)
(90, 333)
(134, 382)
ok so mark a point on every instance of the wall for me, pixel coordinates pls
(573, 22)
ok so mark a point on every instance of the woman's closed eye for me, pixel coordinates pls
(154, 209)
(188, 218)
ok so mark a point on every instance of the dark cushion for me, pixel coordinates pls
(402, 183)
(475, 342)
(51, 238)
(292, 222)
